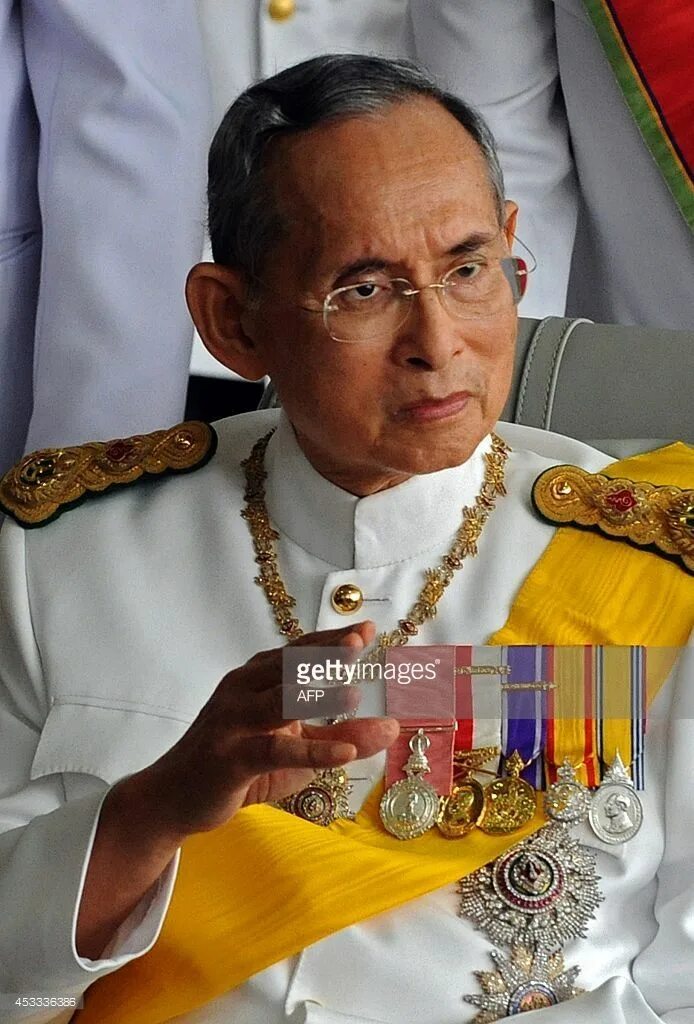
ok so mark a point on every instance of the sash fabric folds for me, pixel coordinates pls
(267, 884)
(649, 47)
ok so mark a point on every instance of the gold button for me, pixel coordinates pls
(347, 599)
(280, 10)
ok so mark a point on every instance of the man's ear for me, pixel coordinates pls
(217, 298)
(511, 214)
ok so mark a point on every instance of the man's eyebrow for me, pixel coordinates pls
(464, 248)
(360, 266)
(472, 243)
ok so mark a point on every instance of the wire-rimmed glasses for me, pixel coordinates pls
(378, 307)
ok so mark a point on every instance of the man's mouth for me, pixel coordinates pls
(427, 409)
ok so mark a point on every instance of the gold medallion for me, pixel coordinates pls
(508, 803)
(461, 810)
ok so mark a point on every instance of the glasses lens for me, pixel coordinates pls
(480, 289)
(364, 311)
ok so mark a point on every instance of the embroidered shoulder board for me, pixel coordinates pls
(660, 518)
(47, 483)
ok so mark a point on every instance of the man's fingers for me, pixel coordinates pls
(264, 669)
(254, 709)
(255, 755)
(317, 747)
(264, 709)
(368, 735)
(359, 634)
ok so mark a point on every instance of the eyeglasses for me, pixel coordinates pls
(378, 307)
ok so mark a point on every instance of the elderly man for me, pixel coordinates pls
(362, 259)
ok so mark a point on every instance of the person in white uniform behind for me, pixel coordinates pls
(104, 123)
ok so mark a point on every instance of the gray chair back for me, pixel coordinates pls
(621, 389)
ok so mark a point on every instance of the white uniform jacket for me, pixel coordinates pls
(119, 619)
(607, 234)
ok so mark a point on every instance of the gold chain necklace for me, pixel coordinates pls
(436, 580)
(326, 798)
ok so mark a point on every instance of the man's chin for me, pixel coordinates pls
(430, 451)
(438, 458)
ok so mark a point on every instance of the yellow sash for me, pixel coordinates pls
(267, 884)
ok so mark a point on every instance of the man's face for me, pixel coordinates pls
(399, 194)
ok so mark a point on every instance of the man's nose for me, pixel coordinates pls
(430, 337)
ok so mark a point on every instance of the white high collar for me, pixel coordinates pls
(364, 533)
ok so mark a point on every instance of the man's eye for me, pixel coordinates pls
(467, 271)
(363, 296)
(365, 290)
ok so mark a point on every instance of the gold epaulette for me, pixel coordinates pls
(660, 518)
(47, 483)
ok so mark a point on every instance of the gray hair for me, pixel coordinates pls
(242, 222)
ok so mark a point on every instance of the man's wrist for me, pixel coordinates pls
(137, 809)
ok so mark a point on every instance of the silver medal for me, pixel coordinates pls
(616, 812)
(567, 800)
(409, 808)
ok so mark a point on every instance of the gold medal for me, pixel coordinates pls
(409, 807)
(461, 810)
(508, 803)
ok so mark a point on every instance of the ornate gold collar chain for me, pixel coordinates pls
(437, 579)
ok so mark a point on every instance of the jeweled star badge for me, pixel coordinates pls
(541, 892)
(524, 981)
(324, 800)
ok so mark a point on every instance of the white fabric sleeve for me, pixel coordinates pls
(122, 97)
(45, 841)
(664, 972)
(501, 57)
